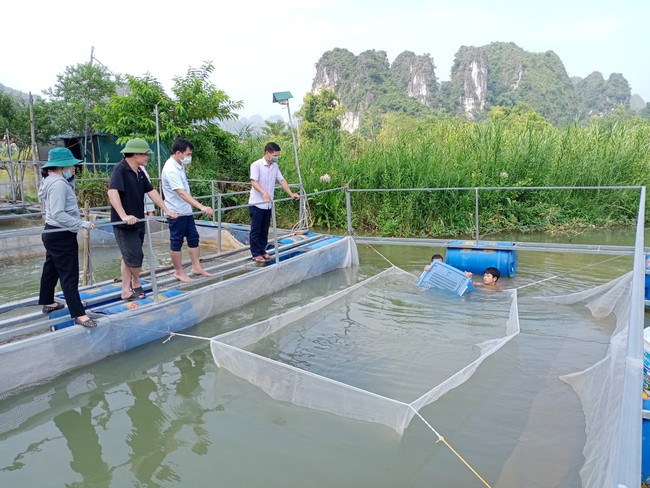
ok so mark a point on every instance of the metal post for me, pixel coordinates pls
(158, 150)
(628, 443)
(303, 199)
(348, 208)
(476, 213)
(86, 276)
(275, 234)
(152, 262)
(218, 224)
(212, 196)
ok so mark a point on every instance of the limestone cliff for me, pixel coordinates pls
(504, 74)
(415, 76)
(499, 73)
(598, 97)
(368, 80)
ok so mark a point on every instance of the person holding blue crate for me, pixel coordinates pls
(438, 257)
(434, 258)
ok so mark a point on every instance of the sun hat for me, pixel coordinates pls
(136, 146)
(60, 157)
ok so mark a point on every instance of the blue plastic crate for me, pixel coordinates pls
(441, 276)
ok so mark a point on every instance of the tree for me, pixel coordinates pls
(132, 114)
(278, 130)
(197, 105)
(77, 94)
(14, 115)
(321, 113)
(192, 113)
(519, 115)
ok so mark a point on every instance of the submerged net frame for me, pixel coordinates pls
(288, 383)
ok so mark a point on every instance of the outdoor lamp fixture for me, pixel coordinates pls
(283, 99)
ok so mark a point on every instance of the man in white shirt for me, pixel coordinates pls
(264, 173)
(176, 189)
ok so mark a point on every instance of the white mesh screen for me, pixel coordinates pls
(600, 387)
(48, 355)
(353, 354)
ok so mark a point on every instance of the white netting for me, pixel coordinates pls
(600, 387)
(353, 353)
(48, 355)
(317, 356)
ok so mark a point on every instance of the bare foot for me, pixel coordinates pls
(201, 272)
(183, 277)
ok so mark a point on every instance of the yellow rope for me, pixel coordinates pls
(442, 439)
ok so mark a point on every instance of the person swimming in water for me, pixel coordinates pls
(491, 276)
(434, 258)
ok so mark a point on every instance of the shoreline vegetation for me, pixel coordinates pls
(509, 150)
(514, 150)
(394, 147)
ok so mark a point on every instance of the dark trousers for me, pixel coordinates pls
(61, 263)
(259, 235)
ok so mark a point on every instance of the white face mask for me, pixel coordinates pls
(186, 160)
(274, 159)
(67, 174)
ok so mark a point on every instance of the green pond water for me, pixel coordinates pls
(164, 415)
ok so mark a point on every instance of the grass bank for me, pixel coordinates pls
(518, 152)
(450, 153)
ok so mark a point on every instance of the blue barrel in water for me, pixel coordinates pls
(467, 256)
(645, 442)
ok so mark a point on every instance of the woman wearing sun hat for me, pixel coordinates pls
(62, 249)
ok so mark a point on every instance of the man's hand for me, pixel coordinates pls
(266, 196)
(130, 219)
(171, 214)
(208, 211)
(295, 196)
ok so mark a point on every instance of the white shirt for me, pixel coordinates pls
(266, 174)
(174, 178)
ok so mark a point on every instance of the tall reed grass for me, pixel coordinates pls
(452, 153)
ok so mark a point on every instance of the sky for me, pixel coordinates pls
(260, 47)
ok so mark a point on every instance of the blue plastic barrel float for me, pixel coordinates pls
(467, 256)
(645, 442)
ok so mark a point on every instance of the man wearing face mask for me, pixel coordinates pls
(176, 190)
(264, 173)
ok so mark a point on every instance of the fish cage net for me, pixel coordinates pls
(383, 350)
(350, 358)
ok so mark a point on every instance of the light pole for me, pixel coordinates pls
(283, 99)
